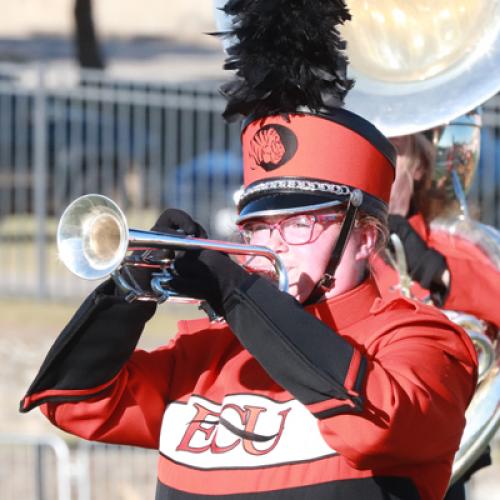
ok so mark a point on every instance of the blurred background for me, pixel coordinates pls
(118, 98)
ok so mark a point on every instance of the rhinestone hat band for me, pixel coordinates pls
(295, 185)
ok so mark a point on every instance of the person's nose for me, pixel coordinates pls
(276, 242)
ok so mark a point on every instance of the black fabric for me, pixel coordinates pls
(281, 199)
(300, 352)
(207, 275)
(484, 460)
(285, 54)
(425, 265)
(171, 221)
(94, 345)
(456, 491)
(378, 488)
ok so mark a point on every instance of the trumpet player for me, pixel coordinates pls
(316, 393)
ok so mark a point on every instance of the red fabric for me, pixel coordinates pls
(31, 400)
(411, 425)
(219, 482)
(324, 150)
(474, 283)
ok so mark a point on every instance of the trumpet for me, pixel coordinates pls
(94, 241)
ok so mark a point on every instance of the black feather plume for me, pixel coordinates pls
(288, 54)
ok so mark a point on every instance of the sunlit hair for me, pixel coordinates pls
(366, 220)
(418, 152)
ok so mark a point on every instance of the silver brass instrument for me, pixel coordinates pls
(420, 65)
(416, 65)
(483, 413)
(93, 241)
(425, 65)
(457, 156)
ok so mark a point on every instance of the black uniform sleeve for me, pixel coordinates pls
(300, 352)
(91, 349)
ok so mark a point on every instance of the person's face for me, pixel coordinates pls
(306, 263)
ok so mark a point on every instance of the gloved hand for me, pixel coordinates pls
(207, 275)
(171, 221)
(425, 265)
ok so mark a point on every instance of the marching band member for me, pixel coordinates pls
(316, 393)
(446, 268)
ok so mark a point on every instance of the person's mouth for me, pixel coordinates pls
(268, 273)
(263, 268)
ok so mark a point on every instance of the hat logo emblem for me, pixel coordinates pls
(272, 146)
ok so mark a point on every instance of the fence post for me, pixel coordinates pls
(40, 182)
(62, 454)
(81, 470)
(39, 473)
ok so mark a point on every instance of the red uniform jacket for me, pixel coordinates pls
(382, 409)
(475, 281)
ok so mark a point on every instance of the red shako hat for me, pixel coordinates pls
(304, 162)
(302, 150)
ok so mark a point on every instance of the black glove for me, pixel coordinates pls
(483, 461)
(207, 275)
(425, 265)
(171, 221)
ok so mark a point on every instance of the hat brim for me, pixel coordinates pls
(288, 204)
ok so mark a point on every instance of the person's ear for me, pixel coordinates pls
(367, 242)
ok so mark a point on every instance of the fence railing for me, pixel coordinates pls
(146, 145)
(34, 467)
(46, 468)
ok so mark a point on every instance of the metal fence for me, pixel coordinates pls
(34, 467)
(146, 145)
(47, 468)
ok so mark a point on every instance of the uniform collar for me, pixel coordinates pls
(349, 308)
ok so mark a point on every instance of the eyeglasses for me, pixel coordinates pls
(294, 230)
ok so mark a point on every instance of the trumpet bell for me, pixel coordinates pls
(92, 237)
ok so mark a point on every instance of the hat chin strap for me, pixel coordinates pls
(327, 281)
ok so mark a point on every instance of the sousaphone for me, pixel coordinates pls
(425, 65)
(417, 66)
